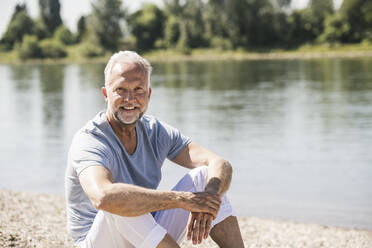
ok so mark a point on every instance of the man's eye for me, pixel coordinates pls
(139, 90)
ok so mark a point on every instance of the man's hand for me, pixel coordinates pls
(205, 202)
(198, 227)
(200, 221)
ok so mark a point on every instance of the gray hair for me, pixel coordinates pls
(128, 57)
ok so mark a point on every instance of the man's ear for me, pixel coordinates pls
(150, 92)
(104, 92)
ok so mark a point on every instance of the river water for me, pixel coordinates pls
(298, 132)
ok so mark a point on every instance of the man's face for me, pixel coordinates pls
(127, 93)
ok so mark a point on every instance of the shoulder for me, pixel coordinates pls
(94, 134)
(153, 124)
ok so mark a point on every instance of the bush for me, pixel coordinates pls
(336, 29)
(19, 25)
(41, 30)
(64, 35)
(29, 48)
(91, 50)
(52, 49)
(221, 43)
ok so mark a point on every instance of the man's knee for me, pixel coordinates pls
(199, 176)
(194, 181)
(168, 242)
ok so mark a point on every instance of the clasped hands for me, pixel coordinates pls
(200, 220)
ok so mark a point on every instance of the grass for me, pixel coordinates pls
(363, 49)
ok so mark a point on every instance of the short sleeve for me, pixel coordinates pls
(87, 150)
(175, 141)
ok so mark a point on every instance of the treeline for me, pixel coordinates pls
(187, 24)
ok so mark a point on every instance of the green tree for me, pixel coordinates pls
(336, 29)
(29, 48)
(358, 14)
(64, 35)
(244, 23)
(40, 29)
(319, 10)
(50, 48)
(105, 22)
(49, 12)
(300, 27)
(147, 25)
(20, 24)
(185, 27)
(81, 28)
(307, 24)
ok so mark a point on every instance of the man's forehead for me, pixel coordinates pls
(127, 71)
(127, 67)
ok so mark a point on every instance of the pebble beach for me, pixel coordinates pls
(39, 220)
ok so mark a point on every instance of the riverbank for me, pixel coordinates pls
(38, 220)
(304, 52)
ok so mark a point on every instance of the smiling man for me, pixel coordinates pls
(114, 167)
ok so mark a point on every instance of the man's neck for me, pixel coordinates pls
(126, 134)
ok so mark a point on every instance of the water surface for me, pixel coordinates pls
(298, 132)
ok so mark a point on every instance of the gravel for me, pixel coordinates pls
(39, 220)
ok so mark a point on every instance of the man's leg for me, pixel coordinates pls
(168, 242)
(114, 231)
(227, 233)
(175, 220)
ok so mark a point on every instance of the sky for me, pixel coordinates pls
(71, 10)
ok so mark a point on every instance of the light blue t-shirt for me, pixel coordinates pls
(97, 144)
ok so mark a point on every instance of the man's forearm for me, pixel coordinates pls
(130, 200)
(219, 176)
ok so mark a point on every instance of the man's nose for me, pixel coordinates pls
(128, 96)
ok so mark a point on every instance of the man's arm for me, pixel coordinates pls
(219, 178)
(219, 170)
(130, 200)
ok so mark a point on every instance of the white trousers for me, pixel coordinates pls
(146, 231)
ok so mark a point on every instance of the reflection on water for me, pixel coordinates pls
(297, 132)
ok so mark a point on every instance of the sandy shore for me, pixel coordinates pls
(38, 220)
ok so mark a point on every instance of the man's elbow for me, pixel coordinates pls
(101, 200)
(227, 167)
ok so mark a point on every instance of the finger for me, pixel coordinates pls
(195, 231)
(208, 225)
(190, 225)
(202, 228)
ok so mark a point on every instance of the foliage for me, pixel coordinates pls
(172, 31)
(20, 24)
(29, 48)
(300, 26)
(336, 29)
(81, 28)
(64, 35)
(184, 26)
(319, 10)
(51, 48)
(49, 12)
(88, 49)
(358, 14)
(147, 25)
(40, 29)
(254, 23)
(105, 22)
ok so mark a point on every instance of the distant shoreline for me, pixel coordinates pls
(38, 220)
(305, 52)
